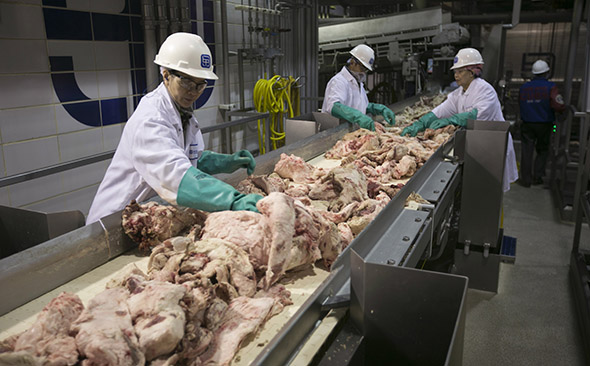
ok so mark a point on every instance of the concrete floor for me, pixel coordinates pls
(532, 319)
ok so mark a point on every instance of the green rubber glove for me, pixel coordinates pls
(353, 116)
(379, 109)
(213, 163)
(201, 191)
(459, 119)
(420, 125)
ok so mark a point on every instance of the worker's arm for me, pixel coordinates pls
(459, 119)
(201, 191)
(557, 102)
(353, 116)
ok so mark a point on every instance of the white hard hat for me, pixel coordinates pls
(540, 67)
(365, 55)
(466, 57)
(187, 53)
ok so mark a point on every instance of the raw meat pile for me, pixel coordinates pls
(150, 224)
(213, 279)
(414, 112)
(196, 297)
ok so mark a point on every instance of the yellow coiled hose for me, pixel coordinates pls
(275, 96)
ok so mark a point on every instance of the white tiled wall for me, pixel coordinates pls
(4, 200)
(82, 53)
(26, 90)
(25, 56)
(1, 163)
(111, 136)
(114, 83)
(21, 21)
(21, 157)
(37, 131)
(65, 122)
(75, 200)
(77, 145)
(87, 82)
(27, 123)
(83, 176)
(25, 193)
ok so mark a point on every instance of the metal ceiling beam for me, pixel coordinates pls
(506, 18)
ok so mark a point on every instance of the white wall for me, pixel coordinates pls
(71, 74)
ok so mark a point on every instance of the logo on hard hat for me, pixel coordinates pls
(455, 60)
(205, 61)
(371, 61)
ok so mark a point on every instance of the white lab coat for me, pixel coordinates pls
(344, 88)
(481, 95)
(152, 156)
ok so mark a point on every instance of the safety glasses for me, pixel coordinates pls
(189, 84)
(365, 69)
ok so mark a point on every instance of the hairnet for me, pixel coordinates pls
(475, 69)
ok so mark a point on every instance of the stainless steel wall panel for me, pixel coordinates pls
(483, 171)
(408, 316)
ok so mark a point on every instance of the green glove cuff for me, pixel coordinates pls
(426, 120)
(201, 191)
(459, 119)
(352, 115)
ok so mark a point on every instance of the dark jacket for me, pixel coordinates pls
(538, 100)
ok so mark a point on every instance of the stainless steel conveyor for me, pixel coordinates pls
(383, 257)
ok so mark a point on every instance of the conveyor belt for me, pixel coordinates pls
(301, 284)
(309, 287)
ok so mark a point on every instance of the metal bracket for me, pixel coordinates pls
(337, 301)
(466, 247)
(486, 249)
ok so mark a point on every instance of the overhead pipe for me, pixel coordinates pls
(174, 23)
(311, 81)
(225, 52)
(185, 15)
(162, 22)
(576, 19)
(225, 75)
(150, 43)
(261, 10)
(515, 15)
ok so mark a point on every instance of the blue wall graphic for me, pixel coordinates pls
(72, 25)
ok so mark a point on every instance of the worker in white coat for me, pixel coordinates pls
(474, 99)
(345, 96)
(161, 150)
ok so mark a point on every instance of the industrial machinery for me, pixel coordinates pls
(376, 303)
(413, 51)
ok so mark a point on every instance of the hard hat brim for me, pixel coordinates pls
(201, 74)
(464, 65)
